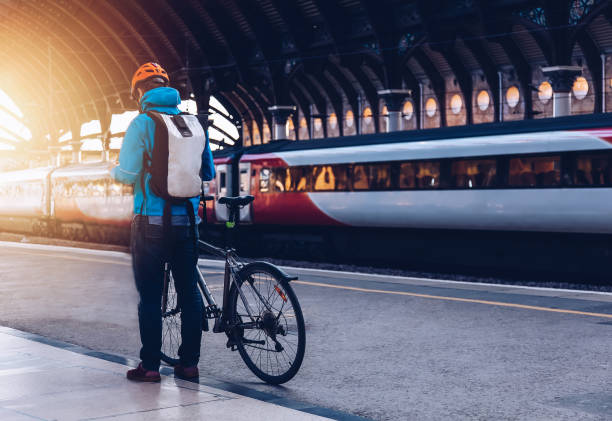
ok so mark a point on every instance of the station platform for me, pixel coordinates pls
(377, 346)
(55, 381)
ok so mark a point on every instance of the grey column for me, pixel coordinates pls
(562, 80)
(394, 99)
(55, 155)
(76, 151)
(280, 114)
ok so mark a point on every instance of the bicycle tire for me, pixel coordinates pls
(258, 272)
(171, 326)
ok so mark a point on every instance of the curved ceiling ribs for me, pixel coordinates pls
(253, 54)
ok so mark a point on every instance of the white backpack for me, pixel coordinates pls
(177, 156)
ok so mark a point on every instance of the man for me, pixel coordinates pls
(150, 248)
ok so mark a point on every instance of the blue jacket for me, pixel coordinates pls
(140, 136)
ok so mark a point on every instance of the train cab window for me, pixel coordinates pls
(264, 180)
(593, 170)
(360, 177)
(380, 176)
(541, 171)
(473, 173)
(428, 175)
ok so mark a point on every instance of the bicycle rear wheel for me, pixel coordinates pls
(171, 324)
(270, 335)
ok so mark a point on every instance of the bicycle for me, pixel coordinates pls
(260, 311)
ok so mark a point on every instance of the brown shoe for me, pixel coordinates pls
(186, 372)
(139, 374)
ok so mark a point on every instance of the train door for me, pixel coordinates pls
(223, 180)
(245, 189)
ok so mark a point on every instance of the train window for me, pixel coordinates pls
(380, 176)
(330, 178)
(428, 175)
(298, 179)
(360, 177)
(264, 180)
(278, 179)
(222, 180)
(593, 170)
(538, 171)
(407, 175)
(473, 173)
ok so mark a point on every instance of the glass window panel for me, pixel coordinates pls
(407, 175)
(539, 171)
(324, 178)
(341, 176)
(473, 173)
(297, 179)
(360, 177)
(593, 170)
(279, 179)
(428, 175)
(380, 176)
(264, 180)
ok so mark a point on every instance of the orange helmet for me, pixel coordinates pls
(146, 71)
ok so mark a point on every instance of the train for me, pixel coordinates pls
(506, 196)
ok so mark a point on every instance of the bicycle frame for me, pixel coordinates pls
(212, 310)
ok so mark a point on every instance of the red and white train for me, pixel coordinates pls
(543, 187)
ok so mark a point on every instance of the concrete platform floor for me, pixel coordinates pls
(43, 382)
(380, 347)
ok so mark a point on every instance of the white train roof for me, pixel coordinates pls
(32, 174)
(83, 171)
(526, 143)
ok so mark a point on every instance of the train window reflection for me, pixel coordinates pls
(330, 178)
(593, 170)
(428, 175)
(360, 177)
(407, 175)
(535, 171)
(278, 179)
(380, 177)
(297, 179)
(473, 173)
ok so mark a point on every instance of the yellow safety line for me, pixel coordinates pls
(464, 300)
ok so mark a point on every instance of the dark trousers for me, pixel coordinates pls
(149, 251)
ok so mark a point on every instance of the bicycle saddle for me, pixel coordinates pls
(236, 201)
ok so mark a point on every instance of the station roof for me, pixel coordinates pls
(70, 61)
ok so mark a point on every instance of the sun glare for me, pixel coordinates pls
(12, 130)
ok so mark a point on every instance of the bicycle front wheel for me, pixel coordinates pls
(267, 324)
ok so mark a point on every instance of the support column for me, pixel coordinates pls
(394, 99)
(76, 151)
(562, 80)
(280, 114)
(55, 155)
(106, 137)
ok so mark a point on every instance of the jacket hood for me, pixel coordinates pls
(160, 98)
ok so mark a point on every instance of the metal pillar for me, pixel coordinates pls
(280, 114)
(55, 155)
(76, 151)
(562, 80)
(394, 99)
